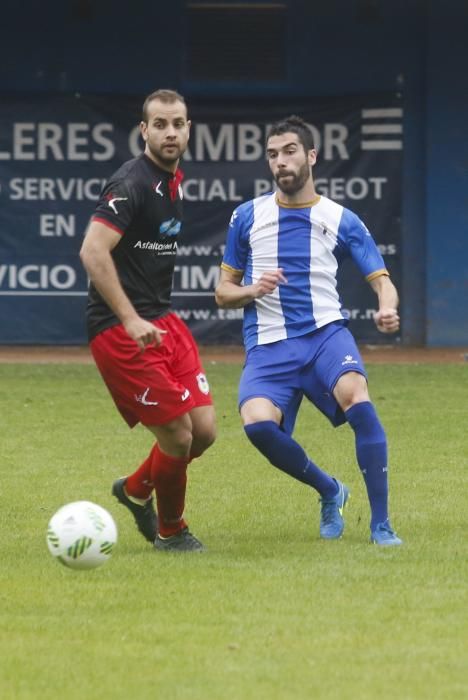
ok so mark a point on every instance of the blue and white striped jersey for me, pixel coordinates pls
(309, 243)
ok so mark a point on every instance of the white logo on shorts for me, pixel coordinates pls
(203, 383)
(144, 400)
(185, 395)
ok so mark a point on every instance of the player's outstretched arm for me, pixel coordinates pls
(96, 257)
(230, 294)
(386, 319)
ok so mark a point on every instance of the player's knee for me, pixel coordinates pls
(203, 440)
(259, 410)
(351, 389)
(261, 433)
(365, 422)
(209, 437)
(354, 399)
(177, 442)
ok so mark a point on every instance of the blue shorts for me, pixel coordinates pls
(309, 366)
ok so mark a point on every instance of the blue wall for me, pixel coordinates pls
(446, 175)
(415, 47)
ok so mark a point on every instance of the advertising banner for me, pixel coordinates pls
(56, 152)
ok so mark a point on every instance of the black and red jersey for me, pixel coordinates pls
(143, 203)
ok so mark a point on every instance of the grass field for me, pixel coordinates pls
(269, 611)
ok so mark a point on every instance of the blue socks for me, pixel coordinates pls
(286, 454)
(371, 453)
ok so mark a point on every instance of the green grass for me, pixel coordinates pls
(269, 611)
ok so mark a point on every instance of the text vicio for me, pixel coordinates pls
(37, 277)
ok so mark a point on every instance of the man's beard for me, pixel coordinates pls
(161, 156)
(296, 181)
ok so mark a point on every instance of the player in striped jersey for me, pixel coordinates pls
(281, 260)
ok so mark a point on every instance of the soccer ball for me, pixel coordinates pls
(81, 535)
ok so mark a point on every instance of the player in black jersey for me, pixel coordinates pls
(145, 353)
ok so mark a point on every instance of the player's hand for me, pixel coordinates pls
(144, 333)
(387, 320)
(268, 282)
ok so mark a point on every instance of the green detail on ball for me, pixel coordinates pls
(96, 519)
(52, 538)
(106, 547)
(77, 548)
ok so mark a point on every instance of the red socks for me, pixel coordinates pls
(139, 484)
(168, 476)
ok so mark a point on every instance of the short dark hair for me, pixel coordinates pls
(166, 96)
(295, 125)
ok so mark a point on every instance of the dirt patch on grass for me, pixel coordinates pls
(377, 354)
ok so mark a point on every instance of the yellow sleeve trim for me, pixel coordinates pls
(377, 273)
(228, 268)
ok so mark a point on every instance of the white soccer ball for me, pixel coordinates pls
(81, 535)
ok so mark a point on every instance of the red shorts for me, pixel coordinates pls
(155, 385)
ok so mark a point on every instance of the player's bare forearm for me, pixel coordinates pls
(230, 294)
(386, 319)
(102, 273)
(233, 296)
(97, 260)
